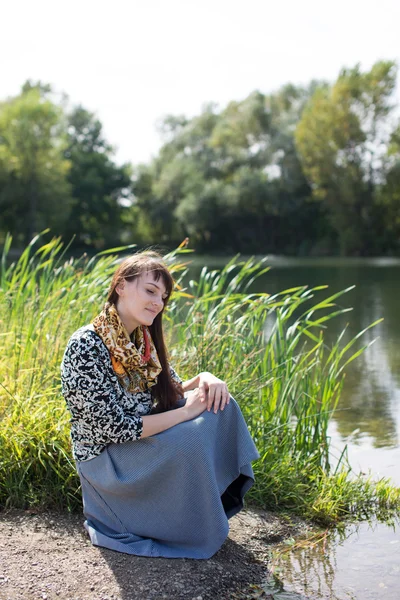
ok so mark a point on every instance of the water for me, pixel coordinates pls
(362, 562)
(368, 416)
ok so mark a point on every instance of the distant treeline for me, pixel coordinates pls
(306, 170)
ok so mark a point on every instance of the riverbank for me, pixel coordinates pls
(48, 556)
(269, 348)
(286, 373)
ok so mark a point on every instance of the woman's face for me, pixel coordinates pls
(140, 300)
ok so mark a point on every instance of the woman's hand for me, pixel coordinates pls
(194, 405)
(213, 391)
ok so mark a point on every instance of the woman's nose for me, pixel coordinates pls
(158, 302)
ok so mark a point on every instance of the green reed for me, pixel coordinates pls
(271, 351)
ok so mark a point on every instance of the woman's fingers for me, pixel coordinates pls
(225, 398)
(214, 392)
(217, 405)
(218, 396)
(203, 391)
(211, 396)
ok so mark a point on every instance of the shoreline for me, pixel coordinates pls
(48, 555)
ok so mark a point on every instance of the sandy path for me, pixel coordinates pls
(48, 556)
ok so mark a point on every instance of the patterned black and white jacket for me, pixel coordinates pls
(102, 411)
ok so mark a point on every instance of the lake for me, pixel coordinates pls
(363, 561)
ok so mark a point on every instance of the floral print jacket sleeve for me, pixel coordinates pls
(101, 410)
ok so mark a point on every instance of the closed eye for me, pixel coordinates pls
(152, 292)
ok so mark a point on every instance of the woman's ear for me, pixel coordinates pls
(120, 287)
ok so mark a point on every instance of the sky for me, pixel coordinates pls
(132, 62)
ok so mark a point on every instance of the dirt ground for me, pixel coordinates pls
(48, 556)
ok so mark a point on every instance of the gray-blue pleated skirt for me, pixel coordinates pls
(171, 494)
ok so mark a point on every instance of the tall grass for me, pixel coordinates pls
(270, 349)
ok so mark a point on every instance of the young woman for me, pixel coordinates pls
(163, 463)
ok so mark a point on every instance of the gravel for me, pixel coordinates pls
(48, 556)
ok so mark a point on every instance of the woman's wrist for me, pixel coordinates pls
(183, 414)
(192, 384)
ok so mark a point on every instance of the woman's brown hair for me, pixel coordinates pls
(166, 391)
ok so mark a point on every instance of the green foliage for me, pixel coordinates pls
(99, 187)
(57, 171)
(270, 350)
(231, 180)
(34, 192)
(42, 298)
(388, 202)
(305, 170)
(342, 138)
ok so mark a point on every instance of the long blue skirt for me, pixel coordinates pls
(171, 494)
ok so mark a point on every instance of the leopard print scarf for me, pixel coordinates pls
(134, 359)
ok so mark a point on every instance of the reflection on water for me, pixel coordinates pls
(368, 415)
(371, 396)
(362, 562)
(369, 410)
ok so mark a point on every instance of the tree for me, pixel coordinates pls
(231, 179)
(101, 190)
(388, 201)
(342, 139)
(34, 192)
